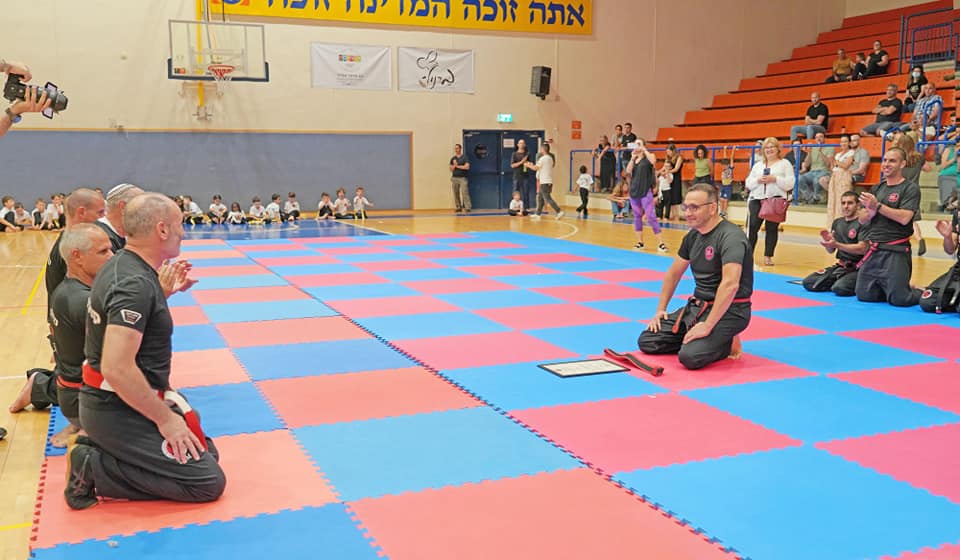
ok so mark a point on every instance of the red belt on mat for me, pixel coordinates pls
(707, 305)
(95, 379)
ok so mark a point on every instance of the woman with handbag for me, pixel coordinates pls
(770, 183)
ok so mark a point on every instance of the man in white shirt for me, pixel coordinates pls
(544, 169)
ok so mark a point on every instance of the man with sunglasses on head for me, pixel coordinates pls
(705, 329)
(848, 239)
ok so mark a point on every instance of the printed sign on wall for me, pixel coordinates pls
(350, 66)
(435, 70)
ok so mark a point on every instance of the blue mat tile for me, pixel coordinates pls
(272, 254)
(851, 314)
(210, 245)
(799, 504)
(237, 408)
(262, 241)
(425, 248)
(519, 386)
(360, 291)
(458, 262)
(266, 311)
(251, 281)
(58, 422)
(181, 299)
(586, 266)
(830, 353)
(324, 532)
(210, 263)
(820, 408)
(497, 299)
(376, 257)
(508, 251)
(319, 358)
(427, 451)
(546, 280)
(308, 269)
(637, 309)
(196, 337)
(320, 246)
(590, 340)
(430, 325)
(424, 274)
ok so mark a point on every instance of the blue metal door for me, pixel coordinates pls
(482, 149)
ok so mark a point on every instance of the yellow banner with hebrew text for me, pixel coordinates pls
(565, 17)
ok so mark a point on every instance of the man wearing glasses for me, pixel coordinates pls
(704, 330)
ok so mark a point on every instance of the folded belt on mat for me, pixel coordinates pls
(898, 246)
(704, 306)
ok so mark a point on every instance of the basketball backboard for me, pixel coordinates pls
(196, 46)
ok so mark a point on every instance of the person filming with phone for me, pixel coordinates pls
(35, 100)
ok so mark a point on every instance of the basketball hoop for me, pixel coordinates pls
(221, 74)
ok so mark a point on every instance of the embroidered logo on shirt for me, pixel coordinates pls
(94, 316)
(708, 253)
(130, 317)
(893, 197)
(926, 294)
(852, 234)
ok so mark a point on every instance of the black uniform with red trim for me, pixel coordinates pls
(707, 253)
(68, 317)
(886, 268)
(841, 277)
(943, 294)
(116, 242)
(132, 460)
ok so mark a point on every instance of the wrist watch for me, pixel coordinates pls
(14, 118)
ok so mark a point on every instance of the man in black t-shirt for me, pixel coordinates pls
(112, 223)
(83, 206)
(816, 120)
(522, 177)
(626, 150)
(847, 238)
(877, 61)
(705, 330)
(889, 209)
(888, 112)
(943, 294)
(459, 166)
(145, 442)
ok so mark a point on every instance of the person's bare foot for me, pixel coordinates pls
(736, 348)
(767, 261)
(23, 399)
(61, 439)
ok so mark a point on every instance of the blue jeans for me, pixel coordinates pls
(808, 131)
(810, 184)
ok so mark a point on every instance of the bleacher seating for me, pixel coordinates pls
(768, 105)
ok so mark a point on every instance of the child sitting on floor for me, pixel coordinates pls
(22, 218)
(236, 215)
(341, 206)
(619, 201)
(516, 205)
(217, 211)
(325, 208)
(257, 212)
(291, 207)
(273, 209)
(192, 214)
(360, 204)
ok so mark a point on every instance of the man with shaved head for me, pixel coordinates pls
(144, 441)
(112, 223)
(83, 206)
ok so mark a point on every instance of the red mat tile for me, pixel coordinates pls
(549, 315)
(347, 278)
(651, 431)
(248, 295)
(761, 328)
(594, 292)
(215, 271)
(562, 515)
(481, 245)
(543, 258)
(457, 286)
(629, 275)
(400, 305)
(932, 340)
(450, 235)
(200, 368)
(213, 254)
(327, 399)
(927, 458)
(269, 247)
(188, 315)
(413, 264)
(936, 385)
(318, 240)
(289, 331)
(748, 369)
(451, 254)
(765, 301)
(507, 270)
(293, 482)
(202, 242)
(355, 250)
(293, 261)
(945, 552)
(388, 242)
(475, 350)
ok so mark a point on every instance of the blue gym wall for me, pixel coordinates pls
(236, 165)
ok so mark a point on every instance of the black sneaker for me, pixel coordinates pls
(923, 248)
(3, 433)
(79, 492)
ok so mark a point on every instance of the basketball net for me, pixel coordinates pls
(222, 73)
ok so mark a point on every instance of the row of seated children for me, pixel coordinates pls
(14, 217)
(340, 208)
(217, 212)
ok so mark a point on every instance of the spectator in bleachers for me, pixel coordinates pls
(861, 160)
(842, 68)
(791, 154)
(915, 84)
(771, 177)
(877, 61)
(816, 120)
(628, 138)
(726, 179)
(860, 67)
(888, 112)
(840, 179)
(702, 166)
(608, 163)
(929, 103)
(816, 165)
(617, 137)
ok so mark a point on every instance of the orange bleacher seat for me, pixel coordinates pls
(823, 63)
(894, 14)
(796, 79)
(890, 42)
(857, 32)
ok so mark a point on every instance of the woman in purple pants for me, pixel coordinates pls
(642, 181)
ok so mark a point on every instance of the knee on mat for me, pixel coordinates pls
(843, 291)
(809, 283)
(908, 299)
(692, 360)
(650, 343)
(210, 491)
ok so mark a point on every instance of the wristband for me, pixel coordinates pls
(14, 118)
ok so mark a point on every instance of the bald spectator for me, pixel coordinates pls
(816, 119)
(861, 160)
(842, 68)
(888, 112)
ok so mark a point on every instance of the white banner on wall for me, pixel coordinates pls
(351, 66)
(437, 70)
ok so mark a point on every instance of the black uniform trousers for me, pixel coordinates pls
(841, 279)
(43, 391)
(943, 294)
(703, 351)
(885, 276)
(132, 461)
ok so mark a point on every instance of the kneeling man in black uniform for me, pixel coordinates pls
(847, 238)
(705, 330)
(944, 293)
(145, 442)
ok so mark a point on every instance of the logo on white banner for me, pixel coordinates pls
(435, 70)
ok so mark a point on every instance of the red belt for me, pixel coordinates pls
(708, 305)
(889, 246)
(95, 379)
(67, 384)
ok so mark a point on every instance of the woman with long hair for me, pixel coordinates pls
(608, 163)
(915, 166)
(703, 166)
(672, 199)
(915, 82)
(840, 180)
(770, 177)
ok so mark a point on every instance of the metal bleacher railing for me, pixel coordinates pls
(890, 131)
(926, 40)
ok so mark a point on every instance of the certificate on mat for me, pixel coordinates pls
(582, 367)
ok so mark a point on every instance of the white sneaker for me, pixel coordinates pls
(662, 248)
(559, 215)
(534, 216)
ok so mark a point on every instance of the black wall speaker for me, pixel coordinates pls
(540, 81)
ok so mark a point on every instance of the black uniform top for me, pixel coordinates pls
(707, 254)
(459, 160)
(116, 242)
(906, 196)
(895, 116)
(127, 292)
(642, 179)
(56, 269)
(956, 226)
(849, 232)
(68, 317)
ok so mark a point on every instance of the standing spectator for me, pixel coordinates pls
(888, 112)
(521, 175)
(771, 177)
(702, 166)
(861, 160)
(816, 119)
(816, 165)
(842, 68)
(674, 197)
(840, 179)
(877, 61)
(642, 181)
(544, 169)
(608, 164)
(584, 184)
(929, 104)
(726, 180)
(459, 166)
(915, 84)
(860, 67)
(617, 137)
(627, 143)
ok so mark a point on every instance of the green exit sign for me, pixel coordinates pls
(505, 117)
